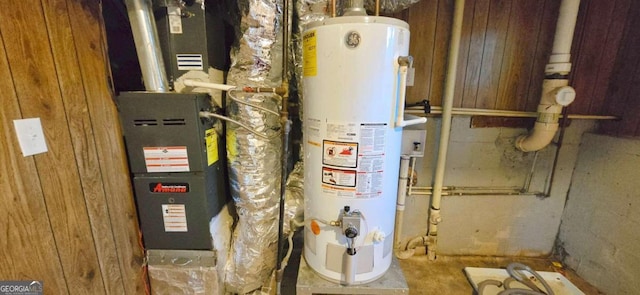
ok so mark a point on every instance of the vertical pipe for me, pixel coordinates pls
(333, 8)
(527, 181)
(450, 83)
(354, 7)
(556, 71)
(561, 52)
(377, 7)
(349, 270)
(402, 194)
(286, 126)
(145, 36)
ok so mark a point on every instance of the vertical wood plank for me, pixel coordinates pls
(579, 32)
(587, 64)
(623, 92)
(631, 116)
(27, 246)
(609, 52)
(82, 139)
(494, 45)
(441, 50)
(471, 81)
(31, 63)
(542, 53)
(468, 22)
(87, 25)
(516, 71)
(422, 22)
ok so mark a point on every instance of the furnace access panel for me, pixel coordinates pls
(178, 165)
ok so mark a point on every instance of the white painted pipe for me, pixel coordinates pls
(555, 92)
(400, 121)
(447, 106)
(349, 269)
(402, 194)
(436, 110)
(561, 51)
(145, 37)
(194, 83)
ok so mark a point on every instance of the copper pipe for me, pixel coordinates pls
(333, 8)
(282, 90)
(377, 7)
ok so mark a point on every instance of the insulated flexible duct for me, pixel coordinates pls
(254, 163)
(294, 198)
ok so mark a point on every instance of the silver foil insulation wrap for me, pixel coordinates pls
(254, 162)
(294, 198)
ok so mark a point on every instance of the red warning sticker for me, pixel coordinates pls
(339, 177)
(340, 154)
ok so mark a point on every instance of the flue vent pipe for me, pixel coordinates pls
(556, 93)
(145, 36)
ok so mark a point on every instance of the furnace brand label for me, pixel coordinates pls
(166, 159)
(169, 188)
(174, 217)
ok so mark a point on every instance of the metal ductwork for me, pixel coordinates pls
(145, 36)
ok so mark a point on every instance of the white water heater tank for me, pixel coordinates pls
(351, 144)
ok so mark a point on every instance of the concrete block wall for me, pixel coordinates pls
(493, 225)
(600, 231)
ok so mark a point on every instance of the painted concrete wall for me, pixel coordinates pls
(600, 231)
(493, 224)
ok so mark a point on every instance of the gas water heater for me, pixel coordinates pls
(354, 70)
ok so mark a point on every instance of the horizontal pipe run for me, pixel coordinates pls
(469, 187)
(500, 113)
(483, 193)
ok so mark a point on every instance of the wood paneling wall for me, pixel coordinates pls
(622, 94)
(68, 216)
(505, 46)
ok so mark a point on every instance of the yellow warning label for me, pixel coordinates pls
(211, 139)
(309, 56)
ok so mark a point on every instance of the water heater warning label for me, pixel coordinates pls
(309, 55)
(340, 154)
(338, 177)
(175, 218)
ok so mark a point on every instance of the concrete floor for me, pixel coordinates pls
(445, 275)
